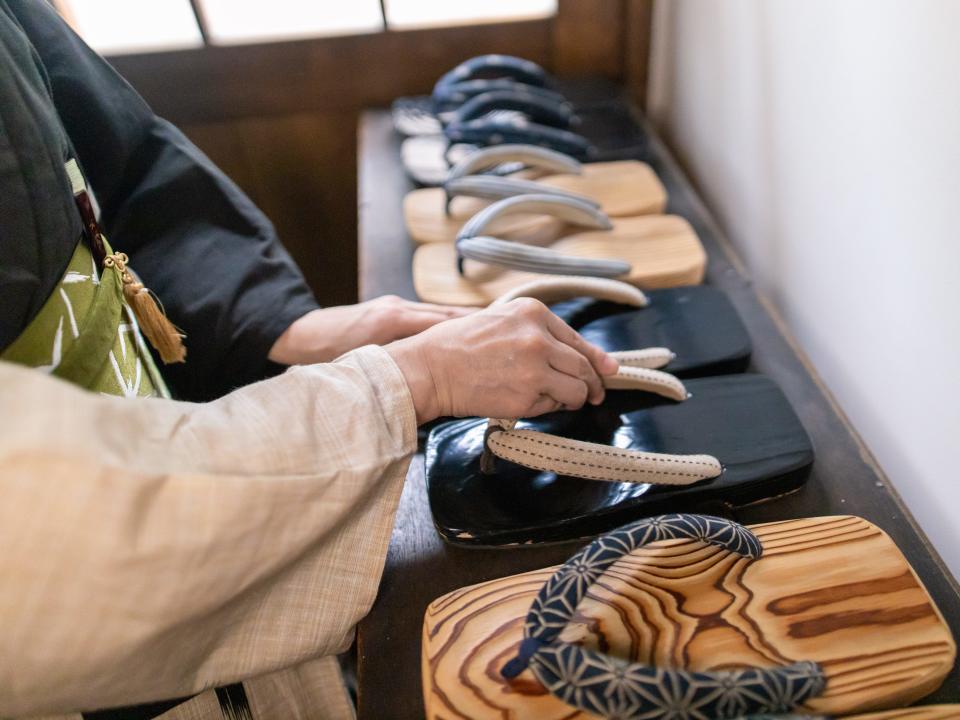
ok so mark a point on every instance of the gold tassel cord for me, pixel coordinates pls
(162, 334)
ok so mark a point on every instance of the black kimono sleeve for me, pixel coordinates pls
(196, 240)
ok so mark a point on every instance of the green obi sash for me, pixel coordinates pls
(86, 334)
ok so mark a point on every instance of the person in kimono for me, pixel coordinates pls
(208, 551)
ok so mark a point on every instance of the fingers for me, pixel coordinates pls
(410, 318)
(398, 303)
(411, 322)
(570, 392)
(565, 359)
(543, 405)
(450, 311)
(601, 362)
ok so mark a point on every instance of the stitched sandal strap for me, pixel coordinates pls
(655, 357)
(594, 461)
(554, 289)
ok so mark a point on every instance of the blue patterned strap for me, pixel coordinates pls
(471, 245)
(615, 688)
(532, 156)
(538, 109)
(448, 98)
(496, 65)
(496, 130)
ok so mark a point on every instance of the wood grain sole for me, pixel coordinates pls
(624, 188)
(663, 251)
(835, 590)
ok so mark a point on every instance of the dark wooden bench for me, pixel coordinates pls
(420, 567)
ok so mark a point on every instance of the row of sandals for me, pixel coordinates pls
(679, 615)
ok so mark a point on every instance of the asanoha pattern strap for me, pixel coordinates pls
(594, 461)
(621, 690)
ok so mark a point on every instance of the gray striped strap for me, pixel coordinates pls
(532, 156)
(534, 259)
(492, 187)
(472, 245)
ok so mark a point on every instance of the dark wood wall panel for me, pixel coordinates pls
(588, 38)
(300, 169)
(637, 26)
(340, 73)
(280, 118)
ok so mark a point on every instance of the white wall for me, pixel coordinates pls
(825, 135)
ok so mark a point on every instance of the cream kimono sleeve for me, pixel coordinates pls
(151, 549)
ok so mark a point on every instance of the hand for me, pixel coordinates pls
(326, 334)
(508, 361)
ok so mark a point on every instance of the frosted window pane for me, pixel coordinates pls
(119, 26)
(426, 13)
(239, 21)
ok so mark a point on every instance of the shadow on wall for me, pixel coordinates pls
(822, 135)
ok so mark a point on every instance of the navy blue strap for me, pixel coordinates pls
(500, 66)
(530, 156)
(450, 97)
(538, 109)
(498, 131)
(611, 687)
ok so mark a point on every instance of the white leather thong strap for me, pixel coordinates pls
(648, 380)
(554, 289)
(593, 461)
(653, 357)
